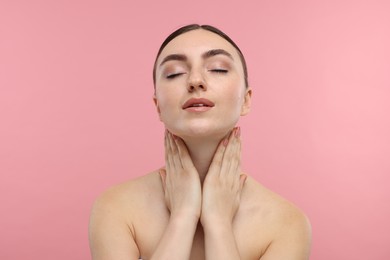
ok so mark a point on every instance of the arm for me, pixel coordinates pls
(112, 239)
(220, 242)
(176, 242)
(221, 198)
(293, 241)
(109, 236)
(182, 191)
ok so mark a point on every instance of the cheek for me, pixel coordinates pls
(162, 96)
(166, 103)
(234, 88)
(235, 95)
(163, 105)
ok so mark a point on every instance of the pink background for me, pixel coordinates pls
(77, 116)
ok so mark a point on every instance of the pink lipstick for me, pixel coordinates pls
(198, 105)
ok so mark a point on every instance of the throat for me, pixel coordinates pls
(202, 154)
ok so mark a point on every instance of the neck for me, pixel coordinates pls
(202, 153)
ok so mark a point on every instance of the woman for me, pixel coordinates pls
(200, 205)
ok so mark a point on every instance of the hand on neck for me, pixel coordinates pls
(202, 152)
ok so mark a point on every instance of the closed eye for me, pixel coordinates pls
(174, 75)
(219, 70)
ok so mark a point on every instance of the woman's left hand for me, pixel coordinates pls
(224, 182)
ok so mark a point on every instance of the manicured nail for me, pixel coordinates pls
(225, 141)
(237, 131)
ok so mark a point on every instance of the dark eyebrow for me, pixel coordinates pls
(215, 52)
(179, 57)
(206, 55)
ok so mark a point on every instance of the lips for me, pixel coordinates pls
(197, 102)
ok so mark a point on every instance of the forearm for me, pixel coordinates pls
(176, 242)
(220, 242)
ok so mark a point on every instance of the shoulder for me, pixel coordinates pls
(122, 196)
(121, 204)
(287, 226)
(281, 213)
(111, 229)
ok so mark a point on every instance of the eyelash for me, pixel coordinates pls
(219, 70)
(171, 76)
(222, 71)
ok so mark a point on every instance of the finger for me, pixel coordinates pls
(183, 153)
(218, 155)
(215, 165)
(231, 155)
(175, 152)
(235, 155)
(168, 152)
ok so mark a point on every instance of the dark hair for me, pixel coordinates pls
(209, 28)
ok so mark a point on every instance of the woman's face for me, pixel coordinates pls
(200, 86)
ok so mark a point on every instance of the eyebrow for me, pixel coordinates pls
(178, 57)
(206, 55)
(215, 52)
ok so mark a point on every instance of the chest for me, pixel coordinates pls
(250, 244)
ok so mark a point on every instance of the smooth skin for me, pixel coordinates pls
(216, 203)
(200, 205)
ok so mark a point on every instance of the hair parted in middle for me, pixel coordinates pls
(209, 28)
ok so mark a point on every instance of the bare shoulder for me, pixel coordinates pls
(111, 228)
(271, 204)
(126, 199)
(139, 186)
(286, 226)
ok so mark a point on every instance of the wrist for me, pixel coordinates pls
(217, 230)
(184, 219)
(216, 223)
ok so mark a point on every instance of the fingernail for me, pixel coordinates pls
(225, 141)
(237, 131)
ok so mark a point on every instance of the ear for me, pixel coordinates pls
(246, 106)
(157, 106)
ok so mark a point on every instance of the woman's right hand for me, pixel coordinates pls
(180, 179)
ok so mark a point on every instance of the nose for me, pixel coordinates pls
(196, 82)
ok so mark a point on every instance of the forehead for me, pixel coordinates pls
(197, 42)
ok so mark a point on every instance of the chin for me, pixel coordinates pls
(202, 131)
